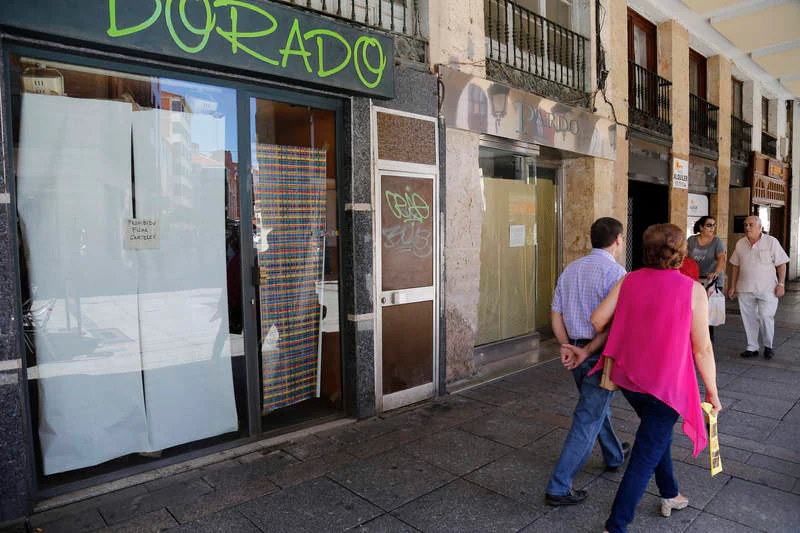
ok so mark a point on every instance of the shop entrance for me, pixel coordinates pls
(519, 250)
(648, 204)
(295, 261)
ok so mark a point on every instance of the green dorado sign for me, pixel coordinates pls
(252, 35)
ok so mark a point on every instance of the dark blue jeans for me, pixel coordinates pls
(591, 421)
(651, 454)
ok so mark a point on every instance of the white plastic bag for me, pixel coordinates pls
(716, 307)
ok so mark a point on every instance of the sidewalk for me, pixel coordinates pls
(479, 461)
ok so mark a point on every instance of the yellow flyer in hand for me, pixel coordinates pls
(713, 439)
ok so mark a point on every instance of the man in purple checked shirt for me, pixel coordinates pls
(580, 289)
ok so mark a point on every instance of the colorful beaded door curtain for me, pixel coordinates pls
(289, 191)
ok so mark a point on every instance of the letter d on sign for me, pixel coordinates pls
(114, 31)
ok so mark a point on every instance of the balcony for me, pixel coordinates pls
(769, 191)
(400, 17)
(532, 53)
(741, 140)
(649, 101)
(703, 127)
(769, 144)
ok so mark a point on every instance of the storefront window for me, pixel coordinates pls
(507, 302)
(128, 202)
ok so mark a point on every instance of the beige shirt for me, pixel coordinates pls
(757, 263)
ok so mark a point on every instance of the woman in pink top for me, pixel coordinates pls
(659, 334)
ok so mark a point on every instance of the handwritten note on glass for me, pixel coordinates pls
(142, 234)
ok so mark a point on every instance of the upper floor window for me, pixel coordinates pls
(641, 41)
(764, 114)
(697, 74)
(736, 98)
(558, 11)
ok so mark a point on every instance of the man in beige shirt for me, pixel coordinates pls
(758, 276)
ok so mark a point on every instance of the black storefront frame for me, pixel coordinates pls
(246, 87)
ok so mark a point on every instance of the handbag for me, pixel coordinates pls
(716, 306)
(605, 379)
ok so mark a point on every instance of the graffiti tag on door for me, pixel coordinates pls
(409, 234)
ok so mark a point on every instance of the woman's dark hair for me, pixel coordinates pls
(605, 231)
(698, 225)
(664, 246)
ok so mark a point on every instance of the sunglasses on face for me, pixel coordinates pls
(710, 225)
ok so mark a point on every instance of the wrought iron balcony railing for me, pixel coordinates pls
(741, 139)
(520, 38)
(769, 144)
(649, 100)
(401, 16)
(703, 124)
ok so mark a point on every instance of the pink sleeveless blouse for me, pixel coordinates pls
(649, 342)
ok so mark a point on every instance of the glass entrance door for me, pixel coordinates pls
(295, 255)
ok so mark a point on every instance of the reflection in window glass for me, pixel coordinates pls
(127, 195)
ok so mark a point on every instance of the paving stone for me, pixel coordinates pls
(708, 523)
(340, 437)
(456, 451)
(490, 394)
(755, 474)
(391, 479)
(143, 504)
(776, 465)
(735, 367)
(86, 520)
(549, 447)
(786, 435)
(551, 525)
(745, 425)
(149, 523)
(223, 522)
(766, 389)
(311, 469)
(695, 482)
(793, 415)
(463, 506)
(594, 511)
(780, 375)
(523, 477)
(227, 494)
(389, 441)
(384, 524)
(766, 407)
(757, 506)
(318, 505)
(311, 446)
(507, 429)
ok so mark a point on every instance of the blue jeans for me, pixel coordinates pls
(591, 421)
(651, 453)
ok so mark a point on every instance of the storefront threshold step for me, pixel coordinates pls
(500, 369)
